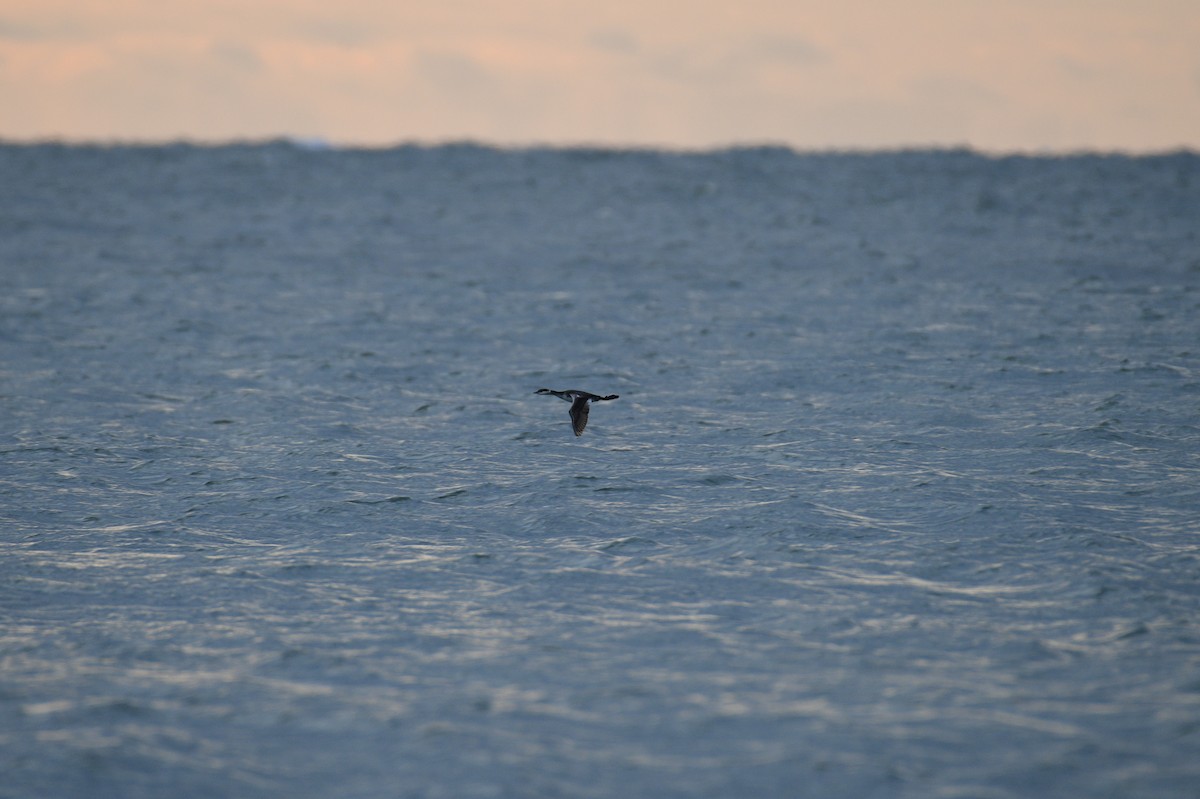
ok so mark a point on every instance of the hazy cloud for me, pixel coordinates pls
(791, 50)
(1076, 69)
(341, 31)
(27, 31)
(953, 90)
(739, 62)
(452, 72)
(612, 40)
(237, 56)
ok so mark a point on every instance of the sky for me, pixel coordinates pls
(994, 75)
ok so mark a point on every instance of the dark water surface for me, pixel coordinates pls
(901, 496)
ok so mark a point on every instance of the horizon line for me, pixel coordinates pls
(323, 144)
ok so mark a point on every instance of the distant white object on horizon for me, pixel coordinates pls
(579, 404)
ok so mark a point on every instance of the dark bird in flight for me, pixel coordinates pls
(579, 404)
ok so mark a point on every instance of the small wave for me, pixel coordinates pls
(380, 501)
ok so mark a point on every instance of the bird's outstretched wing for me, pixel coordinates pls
(579, 415)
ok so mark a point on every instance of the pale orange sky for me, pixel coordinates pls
(997, 75)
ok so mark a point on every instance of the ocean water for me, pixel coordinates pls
(901, 496)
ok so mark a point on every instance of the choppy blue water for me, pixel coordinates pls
(901, 496)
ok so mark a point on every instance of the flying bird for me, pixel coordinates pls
(579, 404)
